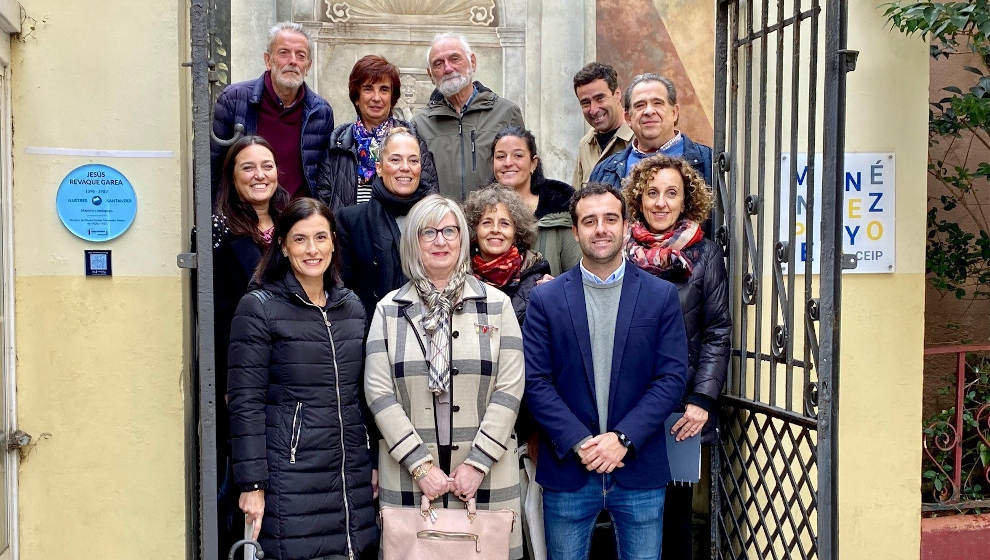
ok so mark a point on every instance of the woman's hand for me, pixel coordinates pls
(253, 505)
(374, 483)
(436, 483)
(466, 480)
(691, 423)
(544, 279)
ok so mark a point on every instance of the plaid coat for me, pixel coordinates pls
(487, 377)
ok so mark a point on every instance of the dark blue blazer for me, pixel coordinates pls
(649, 369)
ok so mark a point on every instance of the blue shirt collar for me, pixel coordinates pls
(616, 275)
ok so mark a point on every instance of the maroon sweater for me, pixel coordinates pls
(282, 127)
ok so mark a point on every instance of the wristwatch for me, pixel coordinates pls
(422, 470)
(623, 439)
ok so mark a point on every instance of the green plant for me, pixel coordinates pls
(939, 433)
(957, 258)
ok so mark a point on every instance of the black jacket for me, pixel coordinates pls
(368, 244)
(234, 260)
(533, 268)
(297, 428)
(337, 179)
(705, 304)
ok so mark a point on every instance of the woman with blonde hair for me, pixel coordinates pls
(445, 411)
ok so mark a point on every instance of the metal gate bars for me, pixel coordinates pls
(780, 91)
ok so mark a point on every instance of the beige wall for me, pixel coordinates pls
(100, 361)
(883, 314)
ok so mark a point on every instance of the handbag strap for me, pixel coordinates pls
(472, 506)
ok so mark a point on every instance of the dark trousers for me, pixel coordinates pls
(677, 518)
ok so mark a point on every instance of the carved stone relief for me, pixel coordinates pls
(437, 12)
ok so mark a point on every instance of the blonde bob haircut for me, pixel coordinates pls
(428, 213)
(698, 198)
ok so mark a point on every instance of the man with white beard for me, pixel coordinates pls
(462, 117)
(278, 106)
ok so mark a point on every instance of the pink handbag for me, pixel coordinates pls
(427, 533)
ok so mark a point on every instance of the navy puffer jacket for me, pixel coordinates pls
(238, 103)
(297, 427)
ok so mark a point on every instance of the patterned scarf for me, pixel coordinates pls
(368, 143)
(436, 323)
(499, 271)
(659, 253)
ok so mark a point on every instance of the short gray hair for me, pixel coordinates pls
(428, 213)
(289, 27)
(649, 77)
(441, 36)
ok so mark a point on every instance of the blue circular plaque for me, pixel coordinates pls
(96, 202)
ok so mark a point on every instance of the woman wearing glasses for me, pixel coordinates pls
(444, 375)
(368, 234)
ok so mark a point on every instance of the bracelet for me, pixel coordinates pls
(422, 470)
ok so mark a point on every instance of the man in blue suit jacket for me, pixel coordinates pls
(606, 363)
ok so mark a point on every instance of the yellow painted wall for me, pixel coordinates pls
(100, 361)
(883, 315)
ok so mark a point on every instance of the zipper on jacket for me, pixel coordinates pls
(460, 148)
(340, 420)
(474, 158)
(296, 431)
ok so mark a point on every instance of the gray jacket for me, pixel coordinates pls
(462, 143)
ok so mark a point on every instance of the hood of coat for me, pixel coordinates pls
(555, 196)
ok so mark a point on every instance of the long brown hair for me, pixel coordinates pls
(241, 217)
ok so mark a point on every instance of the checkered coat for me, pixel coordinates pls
(487, 377)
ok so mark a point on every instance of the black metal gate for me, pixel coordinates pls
(780, 91)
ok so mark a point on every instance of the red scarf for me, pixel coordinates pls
(499, 271)
(657, 253)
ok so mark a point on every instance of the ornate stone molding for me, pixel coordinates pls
(479, 13)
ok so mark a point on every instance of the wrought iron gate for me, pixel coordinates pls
(780, 90)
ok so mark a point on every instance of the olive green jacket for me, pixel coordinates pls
(556, 243)
(462, 143)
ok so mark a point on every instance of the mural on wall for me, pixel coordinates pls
(674, 38)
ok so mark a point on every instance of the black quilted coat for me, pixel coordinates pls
(297, 428)
(704, 301)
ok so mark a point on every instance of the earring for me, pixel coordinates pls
(285, 253)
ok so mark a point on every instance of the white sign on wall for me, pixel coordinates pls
(867, 210)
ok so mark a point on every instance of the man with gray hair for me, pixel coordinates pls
(461, 119)
(278, 106)
(650, 103)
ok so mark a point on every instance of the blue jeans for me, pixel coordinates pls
(637, 515)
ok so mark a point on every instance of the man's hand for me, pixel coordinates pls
(691, 423)
(466, 480)
(603, 453)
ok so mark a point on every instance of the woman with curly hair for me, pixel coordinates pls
(503, 232)
(668, 201)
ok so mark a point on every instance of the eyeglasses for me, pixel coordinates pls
(449, 233)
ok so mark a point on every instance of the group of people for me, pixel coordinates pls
(408, 309)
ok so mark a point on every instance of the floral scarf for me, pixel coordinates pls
(658, 253)
(499, 271)
(368, 143)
